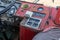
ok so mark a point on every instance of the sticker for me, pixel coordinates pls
(29, 13)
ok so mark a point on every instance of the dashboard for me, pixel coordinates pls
(35, 15)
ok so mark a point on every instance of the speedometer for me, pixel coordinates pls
(40, 9)
(11, 11)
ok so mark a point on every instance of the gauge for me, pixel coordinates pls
(37, 14)
(11, 11)
(40, 9)
(25, 6)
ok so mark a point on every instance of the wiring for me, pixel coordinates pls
(53, 1)
(35, 1)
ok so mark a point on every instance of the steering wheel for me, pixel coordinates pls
(5, 6)
(11, 11)
(1, 6)
(7, 1)
(3, 9)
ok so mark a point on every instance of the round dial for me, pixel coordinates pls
(25, 6)
(11, 11)
(40, 9)
(1, 8)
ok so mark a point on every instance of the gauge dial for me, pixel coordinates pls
(40, 9)
(11, 11)
(25, 6)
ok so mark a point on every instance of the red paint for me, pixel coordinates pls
(27, 34)
(53, 13)
(57, 20)
(34, 8)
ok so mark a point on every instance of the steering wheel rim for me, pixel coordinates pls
(2, 7)
(7, 1)
(7, 8)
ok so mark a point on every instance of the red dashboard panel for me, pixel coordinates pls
(38, 11)
(34, 11)
(57, 19)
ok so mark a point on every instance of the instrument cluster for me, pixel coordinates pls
(13, 9)
(35, 15)
(10, 12)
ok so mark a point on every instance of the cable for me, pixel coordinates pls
(53, 1)
(35, 1)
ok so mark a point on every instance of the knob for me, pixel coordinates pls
(25, 6)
